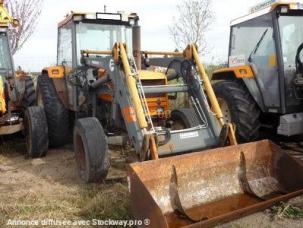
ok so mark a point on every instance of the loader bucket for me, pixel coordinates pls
(214, 186)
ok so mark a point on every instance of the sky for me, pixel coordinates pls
(155, 18)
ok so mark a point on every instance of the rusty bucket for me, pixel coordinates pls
(214, 186)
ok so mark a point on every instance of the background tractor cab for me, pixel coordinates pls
(263, 81)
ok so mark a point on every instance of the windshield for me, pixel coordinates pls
(259, 45)
(291, 37)
(100, 37)
(5, 60)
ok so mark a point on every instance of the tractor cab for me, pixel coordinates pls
(86, 40)
(6, 66)
(92, 31)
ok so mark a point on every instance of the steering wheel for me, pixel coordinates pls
(299, 64)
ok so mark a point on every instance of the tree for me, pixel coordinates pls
(27, 12)
(195, 17)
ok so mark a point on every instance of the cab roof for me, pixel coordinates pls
(118, 17)
(266, 7)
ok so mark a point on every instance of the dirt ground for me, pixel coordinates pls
(49, 188)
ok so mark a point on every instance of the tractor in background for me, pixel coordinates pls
(262, 87)
(17, 95)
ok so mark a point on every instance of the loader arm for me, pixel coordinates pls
(191, 53)
(130, 74)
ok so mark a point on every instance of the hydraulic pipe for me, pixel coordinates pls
(99, 82)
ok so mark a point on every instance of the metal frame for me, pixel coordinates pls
(281, 75)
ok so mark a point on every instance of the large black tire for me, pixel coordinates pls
(36, 132)
(240, 108)
(56, 113)
(29, 96)
(184, 118)
(91, 150)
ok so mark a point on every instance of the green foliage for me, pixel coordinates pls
(287, 211)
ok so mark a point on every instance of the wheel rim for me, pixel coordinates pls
(225, 110)
(80, 152)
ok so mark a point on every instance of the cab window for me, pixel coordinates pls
(65, 52)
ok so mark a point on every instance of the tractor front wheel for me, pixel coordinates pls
(91, 150)
(35, 125)
(239, 107)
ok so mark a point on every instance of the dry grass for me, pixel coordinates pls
(49, 188)
(110, 202)
(88, 203)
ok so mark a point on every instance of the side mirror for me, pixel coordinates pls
(64, 63)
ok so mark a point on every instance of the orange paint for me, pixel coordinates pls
(129, 114)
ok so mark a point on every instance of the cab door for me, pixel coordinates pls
(254, 39)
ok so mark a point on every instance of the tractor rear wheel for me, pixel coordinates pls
(35, 124)
(29, 96)
(239, 107)
(91, 150)
(184, 118)
(56, 113)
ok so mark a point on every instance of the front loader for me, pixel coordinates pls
(99, 90)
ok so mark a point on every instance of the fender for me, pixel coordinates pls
(244, 71)
(246, 74)
(54, 71)
(57, 75)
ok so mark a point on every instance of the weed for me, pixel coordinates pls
(285, 210)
